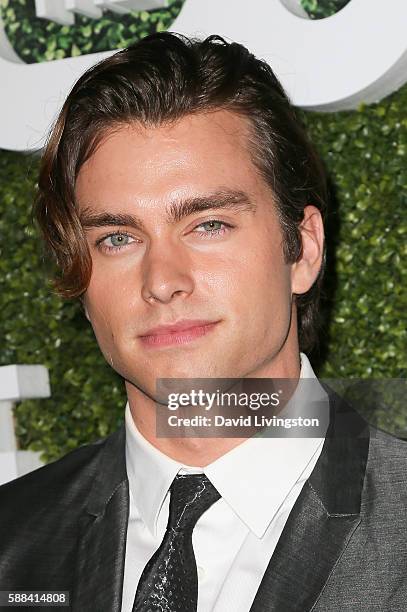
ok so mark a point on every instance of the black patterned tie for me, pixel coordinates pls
(169, 582)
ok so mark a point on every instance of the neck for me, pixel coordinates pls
(199, 452)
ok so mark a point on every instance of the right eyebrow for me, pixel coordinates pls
(89, 218)
(237, 201)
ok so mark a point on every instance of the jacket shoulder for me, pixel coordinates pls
(388, 457)
(60, 483)
(388, 445)
(43, 513)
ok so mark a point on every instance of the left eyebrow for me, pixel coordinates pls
(237, 201)
(224, 199)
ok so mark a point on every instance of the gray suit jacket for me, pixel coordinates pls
(343, 548)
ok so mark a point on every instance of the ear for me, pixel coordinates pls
(305, 270)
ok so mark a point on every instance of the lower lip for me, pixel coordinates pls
(179, 337)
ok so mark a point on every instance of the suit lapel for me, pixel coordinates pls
(102, 541)
(321, 523)
(323, 519)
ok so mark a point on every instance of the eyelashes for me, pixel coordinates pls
(213, 232)
(120, 239)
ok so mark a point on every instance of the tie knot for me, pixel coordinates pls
(191, 496)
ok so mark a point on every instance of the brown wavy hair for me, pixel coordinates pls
(159, 79)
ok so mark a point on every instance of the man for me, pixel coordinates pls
(184, 206)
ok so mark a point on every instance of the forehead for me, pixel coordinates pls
(194, 155)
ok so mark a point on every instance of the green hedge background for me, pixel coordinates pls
(38, 40)
(365, 300)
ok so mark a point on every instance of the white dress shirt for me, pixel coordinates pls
(259, 482)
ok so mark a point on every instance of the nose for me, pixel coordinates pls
(166, 273)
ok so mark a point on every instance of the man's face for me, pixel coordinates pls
(221, 263)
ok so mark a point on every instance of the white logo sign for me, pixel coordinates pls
(62, 11)
(357, 55)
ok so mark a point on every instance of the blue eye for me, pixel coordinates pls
(212, 223)
(213, 231)
(114, 242)
(118, 240)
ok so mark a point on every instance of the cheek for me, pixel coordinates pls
(265, 273)
(103, 302)
(265, 295)
(217, 282)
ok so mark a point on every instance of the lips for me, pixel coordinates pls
(178, 333)
(180, 326)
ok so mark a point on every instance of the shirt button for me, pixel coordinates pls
(201, 572)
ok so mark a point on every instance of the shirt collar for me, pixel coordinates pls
(150, 473)
(253, 478)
